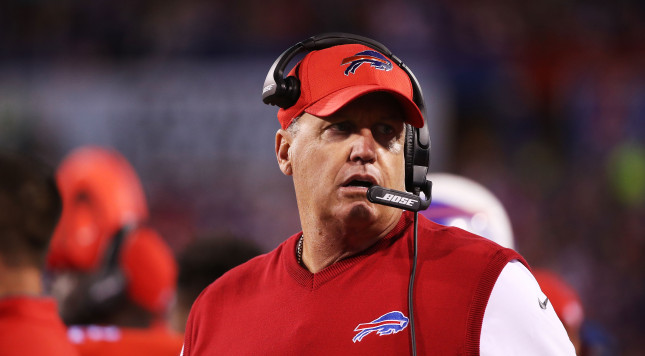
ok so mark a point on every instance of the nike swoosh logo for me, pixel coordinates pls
(544, 303)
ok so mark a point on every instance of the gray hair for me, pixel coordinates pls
(293, 126)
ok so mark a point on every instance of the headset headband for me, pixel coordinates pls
(275, 82)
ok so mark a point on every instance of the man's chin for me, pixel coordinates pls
(361, 212)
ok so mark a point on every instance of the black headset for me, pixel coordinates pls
(106, 288)
(284, 92)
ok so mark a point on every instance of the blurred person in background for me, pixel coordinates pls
(203, 261)
(30, 206)
(114, 276)
(461, 202)
(588, 338)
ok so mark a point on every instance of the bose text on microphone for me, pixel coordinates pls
(395, 198)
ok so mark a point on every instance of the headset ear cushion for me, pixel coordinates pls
(408, 150)
(292, 90)
(150, 269)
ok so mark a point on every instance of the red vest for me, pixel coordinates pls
(357, 306)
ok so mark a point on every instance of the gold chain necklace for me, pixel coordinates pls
(299, 249)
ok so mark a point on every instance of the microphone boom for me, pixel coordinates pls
(395, 198)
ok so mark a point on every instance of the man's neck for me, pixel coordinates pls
(325, 244)
(20, 281)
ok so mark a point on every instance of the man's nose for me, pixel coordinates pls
(363, 147)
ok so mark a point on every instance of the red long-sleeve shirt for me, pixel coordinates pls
(31, 326)
(94, 340)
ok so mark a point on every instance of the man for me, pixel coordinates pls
(30, 206)
(340, 287)
(588, 337)
(114, 276)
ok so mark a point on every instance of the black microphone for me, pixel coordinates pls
(397, 199)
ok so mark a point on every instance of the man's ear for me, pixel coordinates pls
(282, 145)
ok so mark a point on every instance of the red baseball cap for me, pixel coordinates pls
(332, 77)
(101, 193)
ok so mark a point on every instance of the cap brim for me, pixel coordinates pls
(333, 102)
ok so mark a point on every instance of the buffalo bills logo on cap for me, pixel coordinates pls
(375, 59)
(390, 323)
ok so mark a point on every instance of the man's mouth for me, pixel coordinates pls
(358, 183)
(362, 181)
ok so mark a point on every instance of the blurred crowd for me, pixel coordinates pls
(544, 103)
(490, 32)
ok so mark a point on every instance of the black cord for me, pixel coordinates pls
(411, 286)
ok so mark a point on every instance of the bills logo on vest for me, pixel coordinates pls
(387, 324)
(375, 59)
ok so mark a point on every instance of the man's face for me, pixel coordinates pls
(335, 159)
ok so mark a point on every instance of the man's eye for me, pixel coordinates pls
(341, 126)
(384, 129)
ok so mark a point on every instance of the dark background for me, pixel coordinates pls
(543, 102)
